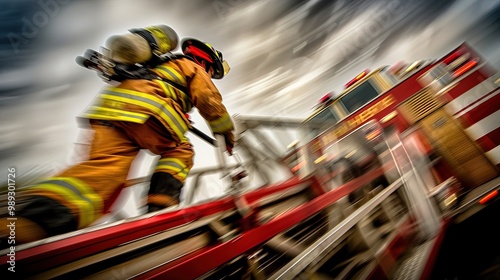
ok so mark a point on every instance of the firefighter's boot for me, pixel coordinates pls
(164, 191)
(17, 230)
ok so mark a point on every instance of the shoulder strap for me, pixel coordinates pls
(165, 58)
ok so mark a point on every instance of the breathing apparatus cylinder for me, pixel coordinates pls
(141, 45)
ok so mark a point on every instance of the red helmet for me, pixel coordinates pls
(203, 52)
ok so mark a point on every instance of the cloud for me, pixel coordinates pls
(284, 55)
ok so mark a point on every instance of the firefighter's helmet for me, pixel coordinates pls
(205, 55)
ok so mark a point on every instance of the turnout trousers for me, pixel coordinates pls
(81, 194)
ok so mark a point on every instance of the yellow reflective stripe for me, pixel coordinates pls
(95, 112)
(222, 124)
(186, 101)
(182, 100)
(175, 161)
(76, 194)
(70, 197)
(85, 209)
(174, 165)
(167, 89)
(149, 101)
(171, 74)
(164, 44)
(181, 173)
(84, 189)
(152, 103)
(172, 92)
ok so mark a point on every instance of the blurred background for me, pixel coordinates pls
(284, 56)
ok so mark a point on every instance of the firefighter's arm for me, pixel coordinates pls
(206, 97)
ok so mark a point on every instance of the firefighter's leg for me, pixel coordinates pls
(173, 167)
(107, 168)
(169, 176)
(79, 195)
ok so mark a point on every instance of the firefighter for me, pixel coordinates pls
(136, 114)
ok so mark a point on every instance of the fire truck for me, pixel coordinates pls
(365, 188)
(447, 109)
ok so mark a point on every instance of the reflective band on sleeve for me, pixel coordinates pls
(76, 193)
(222, 124)
(101, 113)
(173, 164)
(152, 103)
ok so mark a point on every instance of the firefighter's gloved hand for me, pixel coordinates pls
(229, 139)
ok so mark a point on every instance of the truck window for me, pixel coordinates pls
(322, 121)
(359, 96)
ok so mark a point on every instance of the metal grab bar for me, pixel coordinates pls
(314, 252)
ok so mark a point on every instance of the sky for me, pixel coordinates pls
(284, 56)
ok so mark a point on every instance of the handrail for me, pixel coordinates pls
(299, 263)
(188, 199)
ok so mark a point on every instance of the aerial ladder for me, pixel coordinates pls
(358, 211)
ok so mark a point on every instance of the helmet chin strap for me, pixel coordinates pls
(206, 66)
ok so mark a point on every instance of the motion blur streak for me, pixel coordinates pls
(284, 56)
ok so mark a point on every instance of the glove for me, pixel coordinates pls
(229, 139)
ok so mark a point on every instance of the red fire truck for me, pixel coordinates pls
(448, 108)
(367, 194)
